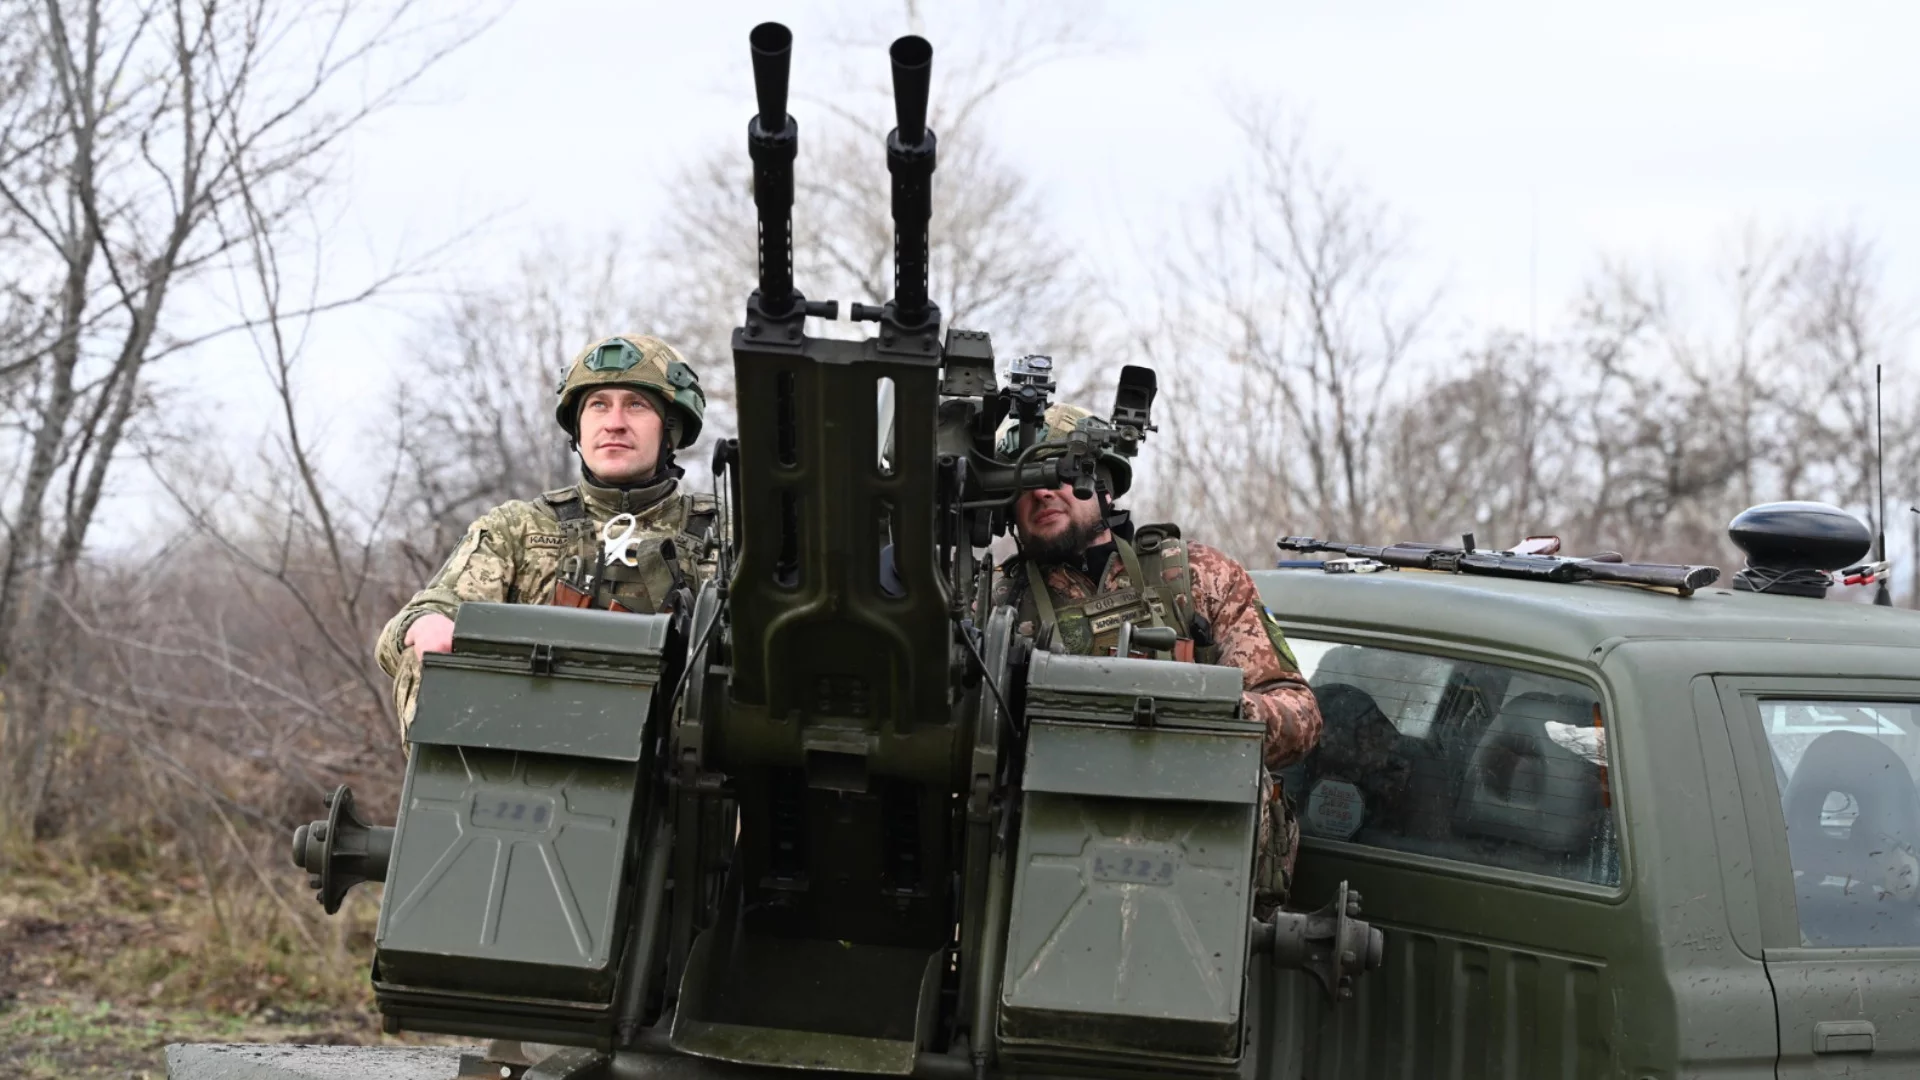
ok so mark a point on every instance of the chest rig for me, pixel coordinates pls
(665, 555)
(1158, 592)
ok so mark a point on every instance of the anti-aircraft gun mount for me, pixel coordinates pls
(840, 815)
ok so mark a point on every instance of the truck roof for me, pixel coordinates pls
(1571, 619)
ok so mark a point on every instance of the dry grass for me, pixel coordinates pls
(104, 961)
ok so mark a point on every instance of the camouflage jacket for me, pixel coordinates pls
(513, 554)
(1242, 628)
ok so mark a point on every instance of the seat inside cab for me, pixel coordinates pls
(1853, 823)
(1475, 762)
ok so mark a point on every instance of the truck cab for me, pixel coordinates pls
(1611, 831)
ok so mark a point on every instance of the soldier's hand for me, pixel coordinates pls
(432, 632)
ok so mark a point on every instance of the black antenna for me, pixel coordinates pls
(1881, 598)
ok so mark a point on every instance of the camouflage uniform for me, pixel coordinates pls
(513, 554)
(516, 552)
(1210, 601)
(1243, 631)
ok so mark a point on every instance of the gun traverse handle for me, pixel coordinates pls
(341, 851)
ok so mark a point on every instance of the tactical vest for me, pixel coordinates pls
(664, 564)
(1159, 592)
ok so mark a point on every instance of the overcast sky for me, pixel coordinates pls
(1519, 142)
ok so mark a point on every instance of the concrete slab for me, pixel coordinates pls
(214, 1061)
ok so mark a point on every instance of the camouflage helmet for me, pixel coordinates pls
(643, 363)
(1062, 420)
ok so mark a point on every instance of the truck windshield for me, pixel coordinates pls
(1458, 759)
(1847, 772)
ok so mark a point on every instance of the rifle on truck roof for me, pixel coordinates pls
(1469, 560)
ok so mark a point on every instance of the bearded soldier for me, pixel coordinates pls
(626, 403)
(1083, 570)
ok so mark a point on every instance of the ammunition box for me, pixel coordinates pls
(507, 891)
(1133, 892)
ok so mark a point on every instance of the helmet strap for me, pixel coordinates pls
(1120, 522)
(665, 470)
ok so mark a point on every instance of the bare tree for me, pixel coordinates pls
(232, 664)
(1286, 339)
(1840, 329)
(1644, 425)
(1479, 448)
(140, 147)
(1766, 392)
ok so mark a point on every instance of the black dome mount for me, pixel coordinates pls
(1791, 546)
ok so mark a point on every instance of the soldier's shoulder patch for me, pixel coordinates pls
(545, 540)
(1278, 637)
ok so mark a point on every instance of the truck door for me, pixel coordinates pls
(1828, 772)
(1468, 800)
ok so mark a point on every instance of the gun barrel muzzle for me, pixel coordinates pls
(772, 45)
(773, 140)
(910, 158)
(912, 77)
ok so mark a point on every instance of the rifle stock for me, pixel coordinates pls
(1664, 575)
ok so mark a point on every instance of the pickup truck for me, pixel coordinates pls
(1611, 831)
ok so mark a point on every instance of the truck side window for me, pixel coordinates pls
(1847, 786)
(1475, 762)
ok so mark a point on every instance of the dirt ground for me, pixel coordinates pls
(51, 1035)
(98, 975)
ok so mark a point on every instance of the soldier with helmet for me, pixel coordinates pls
(626, 403)
(1083, 569)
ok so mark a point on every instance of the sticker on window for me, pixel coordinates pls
(1335, 809)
